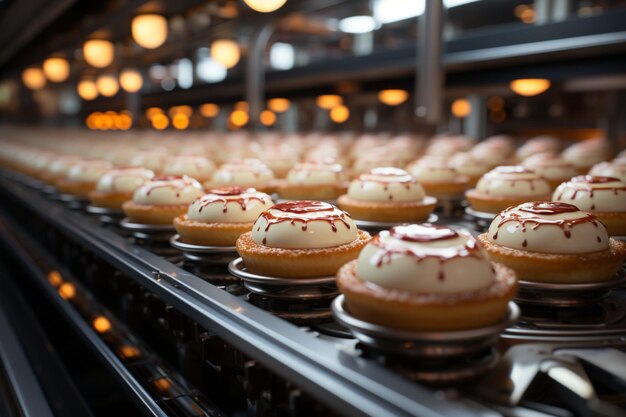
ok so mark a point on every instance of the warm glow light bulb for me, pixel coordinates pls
(160, 121)
(393, 97)
(328, 101)
(131, 80)
(180, 121)
(226, 52)
(107, 85)
(98, 53)
(267, 117)
(461, 108)
(278, 105)
(33, 78)
(56, 69)
(101, 324)
(530, 86)
(87, 90)
(339, 114)
(239, 118)
(149, 30)
(265, 6)
(209, 110)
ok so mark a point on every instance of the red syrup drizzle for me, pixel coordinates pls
(589, 179)
(392, 176)
(183, 182)
(218, 195)
(543, 208)
(424, 233)
(512, 169)
(299, 208)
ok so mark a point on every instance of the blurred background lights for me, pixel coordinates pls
(267, 117)
(265, 6)
(357, 24)
(328, 101)
(131, 80)
(56, 69)
(339, 114)
(101, 324)
(226, 52)
(461, 108)
(87, 90)
(34, 78)
(278, 105)
(209, 110)
(107, 85)
(98, 53)
(393, 97)
(530, 86)
(149, 30)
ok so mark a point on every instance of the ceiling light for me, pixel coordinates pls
(131, 80)
(209, 110)
(107, 85)
(461, 108)
(149, 30)
(56, 69)
(33, 78)
(530, 86)
(267, 117)
(87, 90)
(339, 114)
(265, 6)
(393, 97)
(98, 53)
(226, 52)
(328, 101)
(278, 105)
(357, 24)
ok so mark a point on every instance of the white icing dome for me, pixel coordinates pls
(124, 180)
(466, 164)
(310, 173)
(197, 167)
(432, 171)
(513, 181)
(88, 170)
(550, 166)
(229, 205)
(548, 227)
(590, 193)
(304, 225)
(386, 185)
(247, 172)
(167, 191)
(615, 169)
(425, 258)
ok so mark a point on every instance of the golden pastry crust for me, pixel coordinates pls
(209, 234)
(407, 310)
(559, 268)
(495, 204)
(311, 192)
(78, 189)
(615, 222)
(388, 212)
(297, 263)
(446, 189)
(112, 200)
(152, 214)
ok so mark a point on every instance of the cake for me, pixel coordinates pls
(604, 197)
(585, 154)
(467, 165)
(117, 186)
(196, 167)
(426, 278)
(506, 186)
(614, 169)
(550, 166)
(245, 173)
(315, 181)
(221, 216)
(82, 176)
(387, 195)
(438, 178)
(162, 199)
(301, 239)
(553, 242)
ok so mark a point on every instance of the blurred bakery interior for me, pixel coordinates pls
(156, 157)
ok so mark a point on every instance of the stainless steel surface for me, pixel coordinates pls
(430, 74)
(188, 247)
(25, 387)
(91, 209)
